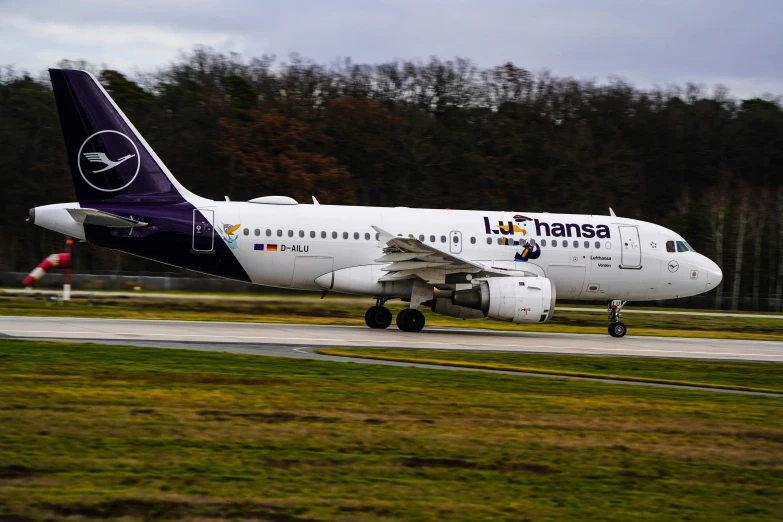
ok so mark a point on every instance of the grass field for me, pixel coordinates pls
(92, 432)
(734, 375)
(350, 311)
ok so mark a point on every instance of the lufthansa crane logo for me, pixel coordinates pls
(108, 161)
(673, 266)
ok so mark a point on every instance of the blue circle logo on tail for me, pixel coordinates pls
(108, 161)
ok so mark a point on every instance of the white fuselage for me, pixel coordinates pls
(629, 261)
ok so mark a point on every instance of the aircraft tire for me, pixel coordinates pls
(409, 320)
(378, 317)
(617, 329)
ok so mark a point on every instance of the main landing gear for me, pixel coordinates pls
(378, 316)
(616, 328)
(408, 320)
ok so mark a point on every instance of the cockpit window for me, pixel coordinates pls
(670, 246)
(682, 246)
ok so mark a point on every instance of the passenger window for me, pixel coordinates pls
(366, 236)
(356, 235)
(682, 246)
(345, 235)
(334, 235)
(489, 240)
(576, 244)
(455, 239)
(500, 241)
(670, 246)
(442, 239)
(290, 233)
(301, 233)
(543, 242)
(377, 236)
(279, 233)
(587, 244)
(268, 232)
(565, 243)
(323, 234)
(421, 238)
(312, 233)
(432, 239)
(258, 232)
(597, 245)
(472, 240)
(554, 242)
(246, 232)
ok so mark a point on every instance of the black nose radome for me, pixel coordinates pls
(31, 219)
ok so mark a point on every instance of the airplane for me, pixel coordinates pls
(503, 265)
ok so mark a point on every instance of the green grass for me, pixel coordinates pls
(96, 432)
(350, 311)
(734, 375)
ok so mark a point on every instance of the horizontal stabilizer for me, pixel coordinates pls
(90, 216)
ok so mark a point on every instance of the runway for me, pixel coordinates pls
(246, 337)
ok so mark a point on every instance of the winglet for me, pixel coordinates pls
(611, 212)
(315, 201)
(383, 236)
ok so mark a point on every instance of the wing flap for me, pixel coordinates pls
(409, 258)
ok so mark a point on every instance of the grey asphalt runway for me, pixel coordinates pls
(302, 341)
(221, 335)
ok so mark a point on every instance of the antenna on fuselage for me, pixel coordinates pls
(315, 201)
(611, 212)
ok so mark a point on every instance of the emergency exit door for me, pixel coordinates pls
(631, 249)
(455, 242)
(203, 233)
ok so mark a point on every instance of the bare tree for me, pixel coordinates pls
(779, 283)
(718, 202)
(740, 250)
(758, 223)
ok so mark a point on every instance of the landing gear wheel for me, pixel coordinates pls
(617, 329)
(409, 320)
(378, 317)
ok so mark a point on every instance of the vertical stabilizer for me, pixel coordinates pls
(108, 157)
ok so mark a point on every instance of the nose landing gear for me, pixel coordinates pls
(378, 316)
(616, 328)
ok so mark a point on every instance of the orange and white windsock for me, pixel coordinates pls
(53, 261)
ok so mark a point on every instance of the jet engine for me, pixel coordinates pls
(527, 299)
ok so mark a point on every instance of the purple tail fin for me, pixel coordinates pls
(109, 159)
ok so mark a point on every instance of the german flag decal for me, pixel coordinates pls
(271, 248)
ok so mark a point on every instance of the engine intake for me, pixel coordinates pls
(528, 299)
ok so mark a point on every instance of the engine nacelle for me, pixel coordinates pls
(445, 307)
(528, 299)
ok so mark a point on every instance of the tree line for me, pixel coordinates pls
(428, 134)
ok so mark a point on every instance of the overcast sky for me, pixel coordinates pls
(648, 42)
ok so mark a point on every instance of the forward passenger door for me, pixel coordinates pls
(630, 248)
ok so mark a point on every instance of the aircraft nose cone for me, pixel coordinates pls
(714, 274)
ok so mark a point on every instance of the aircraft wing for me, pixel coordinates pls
(409, 258)
(91, 216)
